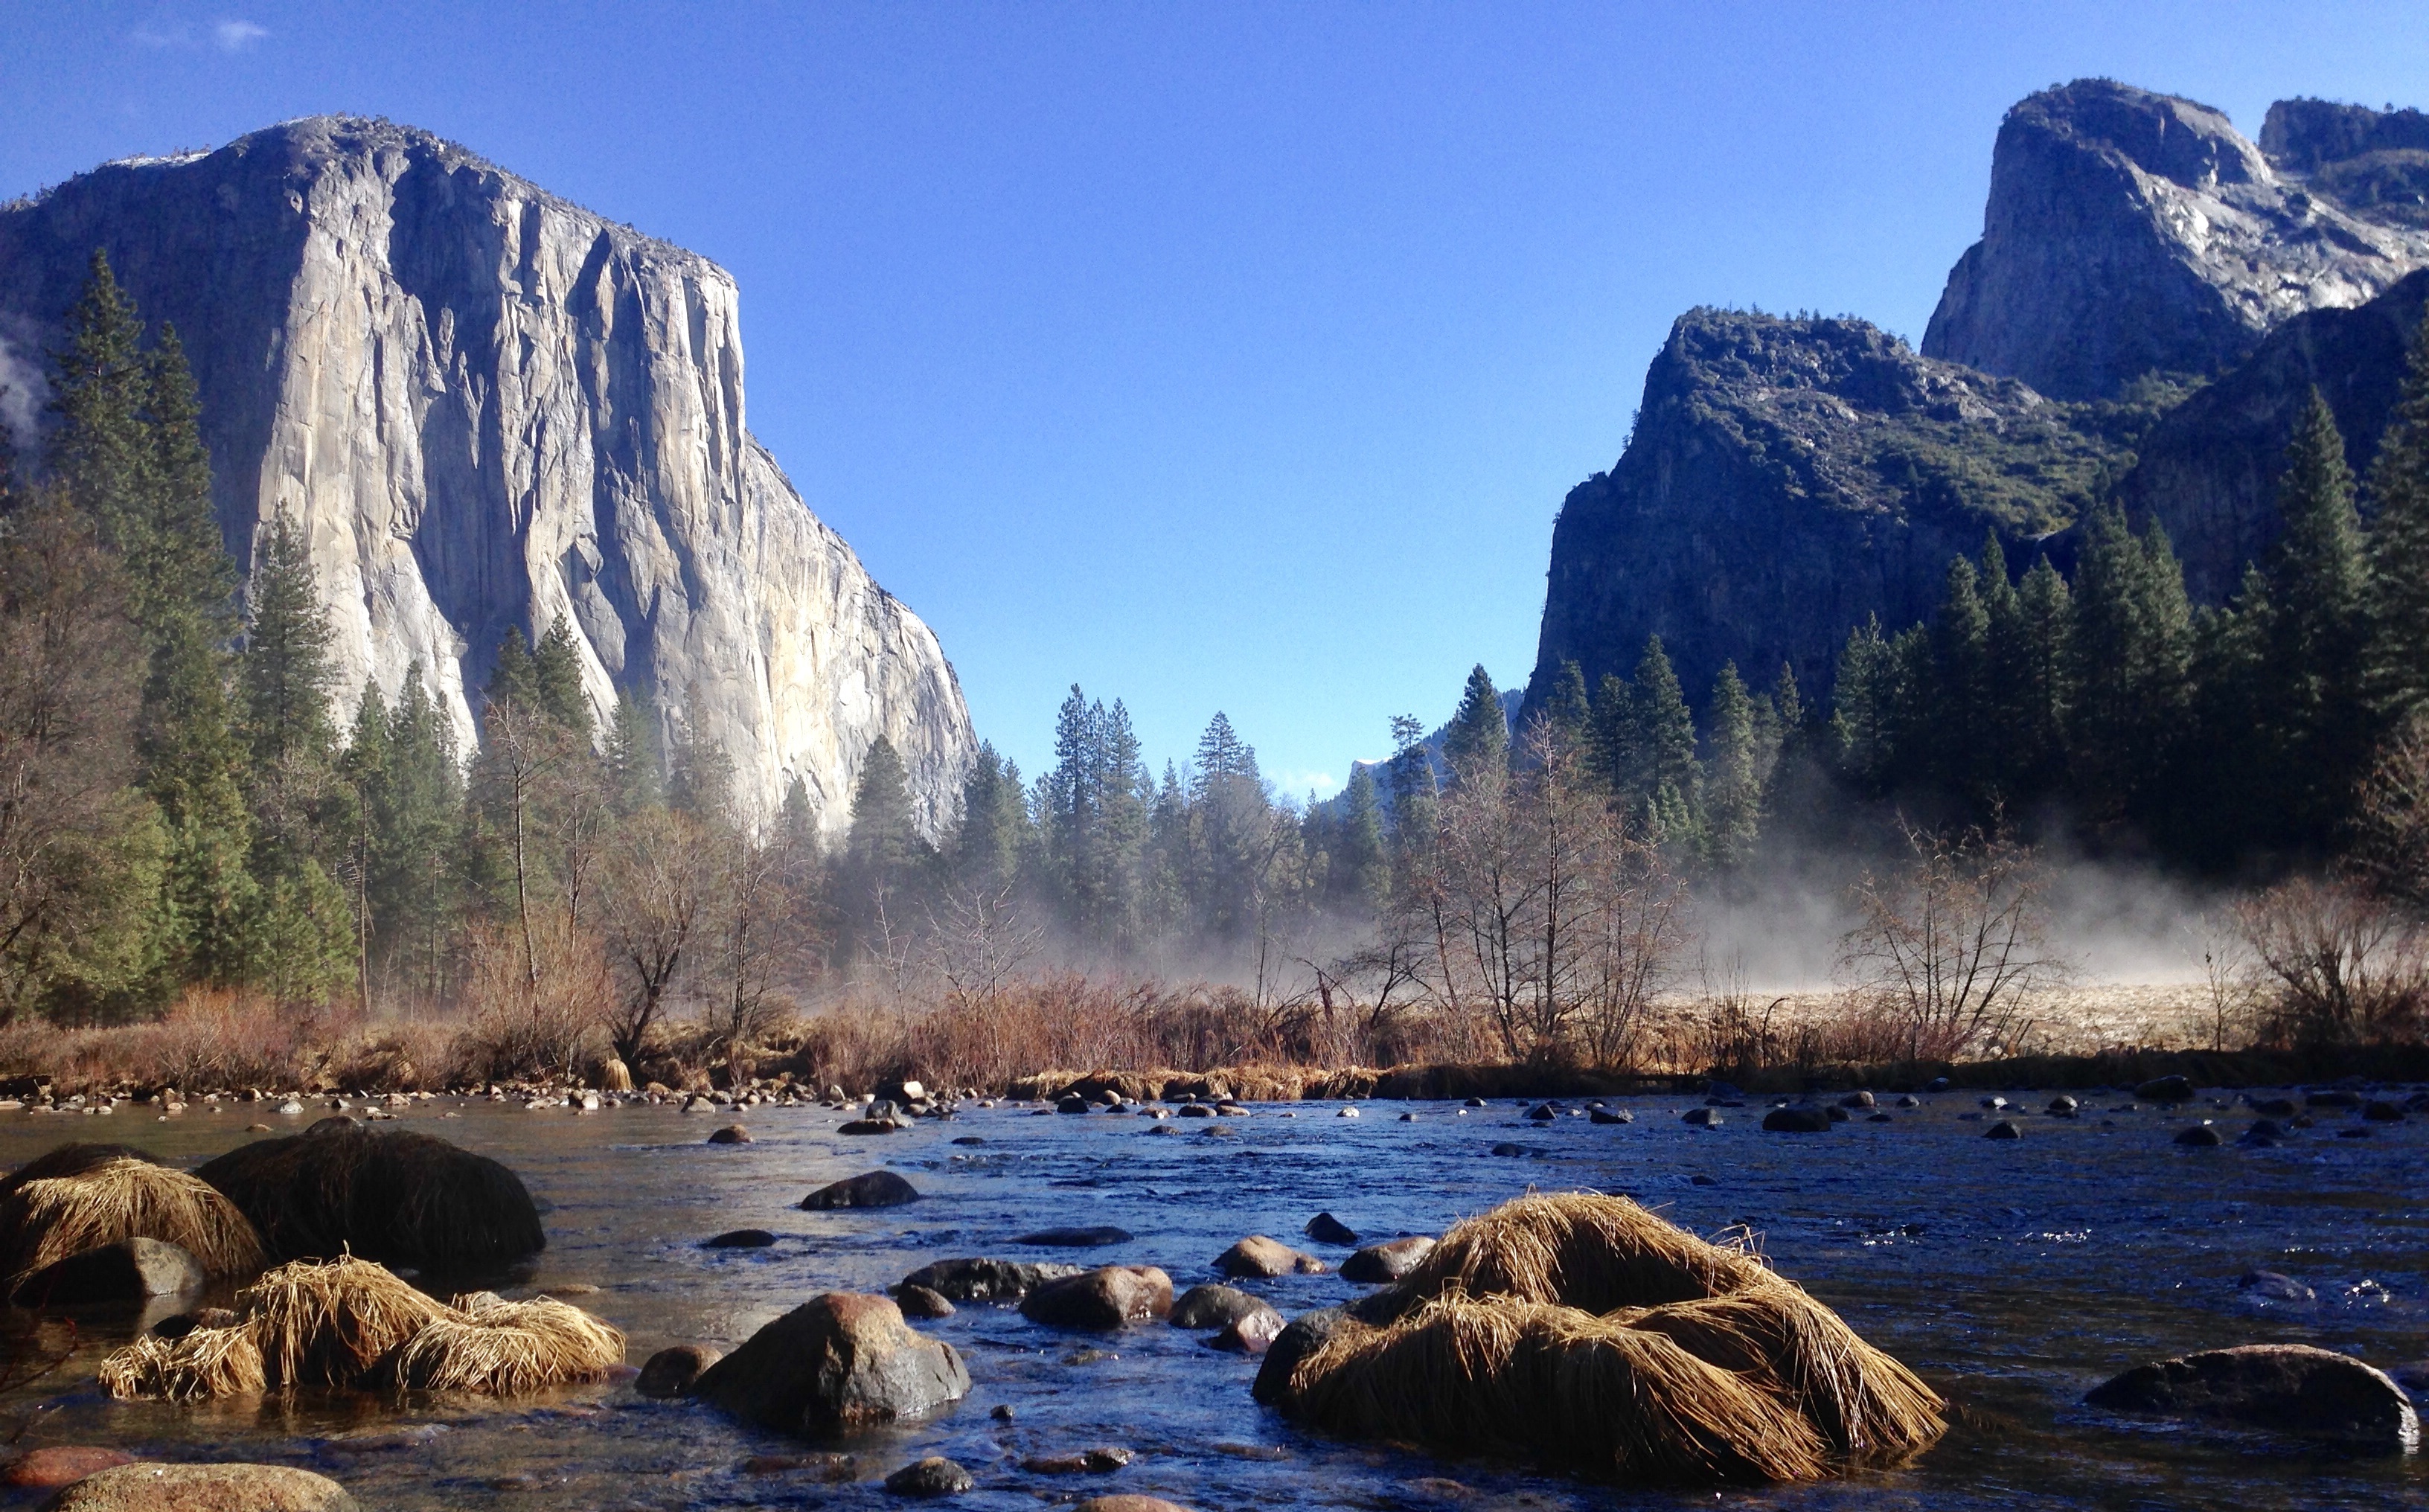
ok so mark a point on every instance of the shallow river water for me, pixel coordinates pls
(2013, 1276)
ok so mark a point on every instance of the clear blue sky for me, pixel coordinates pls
(1224, 356)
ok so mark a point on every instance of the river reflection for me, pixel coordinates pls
(2014, 1276)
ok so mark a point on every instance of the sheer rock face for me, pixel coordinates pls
(488, 408)
(2129, 233)
(2208, 471)
(1787, 478)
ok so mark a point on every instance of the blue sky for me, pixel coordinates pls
(1213, 356)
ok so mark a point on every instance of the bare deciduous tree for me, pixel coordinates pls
(1953, 943)
(660, 878)
(2348, 968)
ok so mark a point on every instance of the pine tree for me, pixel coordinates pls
(994, 831)
(102, 449)
(286, 671)
(1569, 710)
(1415, 799)
(2131, 659)
(513, 679)
(1359, 862)
(1733, 797)
(2399, 547)
(1477, 745)
(1661, 737)
(1959, 739)
(884, 839)
(2318, 630)
(1861, 714)
(635, 768)
(2033, 675)
(556, 681)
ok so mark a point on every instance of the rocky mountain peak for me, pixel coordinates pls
(2131, 233)
(487, 407)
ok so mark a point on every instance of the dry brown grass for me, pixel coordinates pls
(327, 1323)
(501, 1348)
(1584, 1331)
(1580, 1250)
(1502, 1374)
(208, 1362)
(49, 1217)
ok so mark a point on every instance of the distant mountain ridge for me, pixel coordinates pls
(487, 407)
(1786, 479)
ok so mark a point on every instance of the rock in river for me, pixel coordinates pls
(147, 1488)
(1387, 1261)
(731, 1134)
(671, 1371)
(932, 1476)
(1259, 1256)
(1325, 1229)
(1796, 1121)
(1701, 1117)
(1128, 1504)
(2289, 1388)
(2165, 1090)
(1303, 1336)
(1252, 1335)
(739, 1238)
(1105, 1299)
(2274, 1286)
(839, 1361)
(1212, 1307)
(870, 1189)
(2006, 1128)
(1072, 1238)
(918, 1302)
(127, 1271)
(975, 1280)
(2200, 1136)
(62, 1463)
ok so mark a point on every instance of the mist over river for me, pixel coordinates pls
(2013, 1276)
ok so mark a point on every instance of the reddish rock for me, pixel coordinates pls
(1260, 1256)
(62, 1463)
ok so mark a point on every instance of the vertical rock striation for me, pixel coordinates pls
(488, 408)
(2129, 232)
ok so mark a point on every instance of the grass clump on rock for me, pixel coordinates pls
(350, 1323)
(397, 1197)
(1584, 1332)
(80, 1197)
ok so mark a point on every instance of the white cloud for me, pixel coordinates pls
(149, 35)
(235, 35)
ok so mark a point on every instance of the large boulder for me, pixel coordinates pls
(1212, 1307)
(676, 1369)
(1107, 1298)
(148, 1488)
(2287, 1388)
(870, 1189)
(1259, 1256)
(1303, 1336)
(394, 1196)
(980, 1280)
(130, 1269)
(1076, 1238)
(1797, 1120)
(839, 1362)
(1387, 1261)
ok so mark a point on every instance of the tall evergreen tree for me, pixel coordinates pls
(2033, 677)
(1957, 713)
(994, 832)
(1477, 745)
(1415, 799)
(286, 671)
(1361, 863)
(102, 449)
(1569, 708)
(2399, 546)
(1661, 740)
(1733, 797)
(2318, 630)
(2132, 654)
(556, 681)
(635, 770)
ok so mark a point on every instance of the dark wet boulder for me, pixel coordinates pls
(131, 1270)
(2272, 1286)
(1854, 1101)
(930, 1477)
(1103, 1461)
(838, 1362)
(2006, 1128)
(1388, 1261)
(859, 1126)
(2331, 1097)
(1076, 1239)
(2063, 1106)
(1702, 1117)
(672, 1370)
(58, 1465)
(1607, 1115)
(1473, 1102)
(2263, 1133)
(144, 1486)
(978, 1280)
(1071, 1103)
(2276, 1108)
(729, 1134)
(179, 1325)
(1325, 1229)
(1938, 1084)
(392, 1195)
(870, 1189)
(1101, 1300)
(1212, 1307)
(2286, 1388)
(1510, 1152)
(2200, 1137)
(1910, 1100)
(739, 1238)
(2165, 1090)
(1542, 1113)
(1796, 1121)
(1300, 1337)
(2379, 1110)
(1257, 1256)
(921, 1302)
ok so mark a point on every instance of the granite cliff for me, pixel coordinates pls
(487, 407)
(1787, 478)
(2129, 233)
